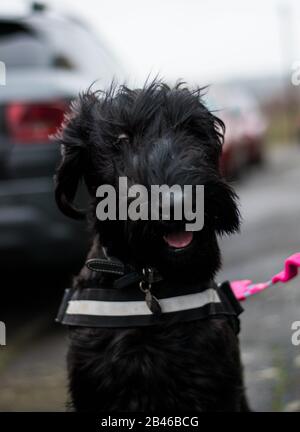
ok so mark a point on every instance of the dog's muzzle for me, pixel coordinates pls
(143, 299)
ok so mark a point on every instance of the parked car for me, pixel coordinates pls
(245, 128)
(49, 59)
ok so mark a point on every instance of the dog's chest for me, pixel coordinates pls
(143, 365)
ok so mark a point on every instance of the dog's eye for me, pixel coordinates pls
(122, 139)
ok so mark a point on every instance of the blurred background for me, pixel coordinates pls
(248, 53)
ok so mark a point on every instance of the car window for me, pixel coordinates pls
(21, 47)
(55, 43)
(77, 48)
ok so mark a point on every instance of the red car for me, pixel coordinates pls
(245, 128)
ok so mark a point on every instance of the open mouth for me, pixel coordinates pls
(179, 239)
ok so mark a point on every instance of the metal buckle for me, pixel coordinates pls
(148, 275)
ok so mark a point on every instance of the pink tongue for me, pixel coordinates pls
(179, 239)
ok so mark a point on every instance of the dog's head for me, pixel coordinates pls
(156, 135)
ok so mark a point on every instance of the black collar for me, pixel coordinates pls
(144, 298)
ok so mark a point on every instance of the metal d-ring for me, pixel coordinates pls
(143, 288)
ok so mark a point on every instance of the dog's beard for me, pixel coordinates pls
(174, 252)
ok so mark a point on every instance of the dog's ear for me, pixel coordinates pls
(221, 206)
(224, 200)
(73, 138)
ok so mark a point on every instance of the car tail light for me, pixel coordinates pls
(34, 122)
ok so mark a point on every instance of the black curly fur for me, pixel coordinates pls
(154, 135)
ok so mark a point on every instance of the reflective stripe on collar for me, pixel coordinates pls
(127, 308)
(100, 307)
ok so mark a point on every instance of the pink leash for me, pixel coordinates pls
(245, 288)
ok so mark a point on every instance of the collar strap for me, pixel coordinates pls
(100, 307)
(129, 276)
(105, 265)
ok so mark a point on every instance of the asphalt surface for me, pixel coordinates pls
(32, 365)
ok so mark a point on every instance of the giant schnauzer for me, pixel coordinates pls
(149, 327)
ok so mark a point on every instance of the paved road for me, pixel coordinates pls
(270, 204)
(32, 375)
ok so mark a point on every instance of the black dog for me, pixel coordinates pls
(185, 360)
